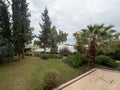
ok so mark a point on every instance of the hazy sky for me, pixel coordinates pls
(73, 15)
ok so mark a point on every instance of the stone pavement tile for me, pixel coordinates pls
(100, 79)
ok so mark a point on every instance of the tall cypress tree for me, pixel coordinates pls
(16, 25)
(22, 31)
(6, 47)
(46, 30)
(4, 20)
(25, 22)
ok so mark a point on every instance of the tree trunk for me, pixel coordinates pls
(91, 53)
(23, 54)
(18, 54)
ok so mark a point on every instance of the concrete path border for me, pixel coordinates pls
(75, 79)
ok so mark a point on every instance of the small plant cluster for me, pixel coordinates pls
(75, 60)
(51, 80)
(49, 55)
(45, 56)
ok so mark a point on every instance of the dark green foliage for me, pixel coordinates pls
(37, 43)
(76, 60)
(115, 55)
(45, 56)
(16, 24)
(51, 80)
(6, 46)
(5, 31)
(106, 60)
(22, 32)
(6, 49)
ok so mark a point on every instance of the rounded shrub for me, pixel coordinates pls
(45, 56)
(76, 60)
(51, 79)
(115, 55)
(106, 61)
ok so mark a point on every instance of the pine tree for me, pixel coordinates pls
(44, 36)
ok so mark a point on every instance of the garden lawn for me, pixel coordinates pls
(28, 73)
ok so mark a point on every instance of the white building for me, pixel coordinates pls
(69, 46)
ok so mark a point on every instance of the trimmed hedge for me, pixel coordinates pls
(76, 60)
(106, 61)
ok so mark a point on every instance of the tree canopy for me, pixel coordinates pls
(49, 36)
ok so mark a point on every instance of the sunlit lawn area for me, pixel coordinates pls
(27, 74)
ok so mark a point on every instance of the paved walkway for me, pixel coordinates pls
(97, 79)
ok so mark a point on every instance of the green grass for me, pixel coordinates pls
(28, 73)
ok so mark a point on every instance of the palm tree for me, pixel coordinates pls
(93, 37)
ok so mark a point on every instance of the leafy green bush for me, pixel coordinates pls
(45, 56)
(6, 49)
(51, 80)
(106, 60)
(76, 60)
(115, 55)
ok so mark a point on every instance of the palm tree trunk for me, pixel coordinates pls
(91, 53)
